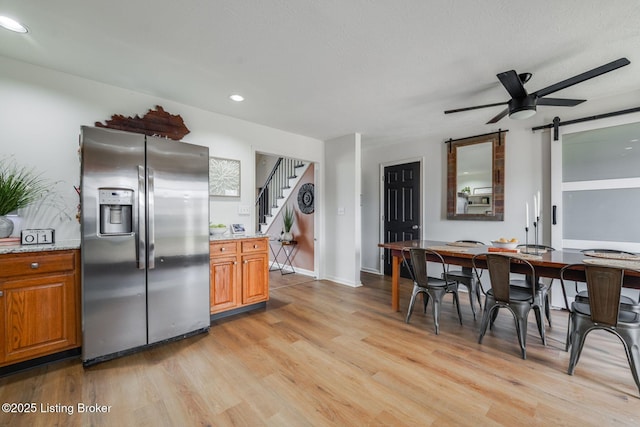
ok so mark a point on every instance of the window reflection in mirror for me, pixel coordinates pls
(475, 178)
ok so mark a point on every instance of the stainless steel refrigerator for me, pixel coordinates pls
(145, 241)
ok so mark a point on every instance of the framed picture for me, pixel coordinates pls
(224, 177)
(237, 228)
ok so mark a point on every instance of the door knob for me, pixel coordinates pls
(415, 227)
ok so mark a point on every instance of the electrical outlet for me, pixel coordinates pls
(244, 210)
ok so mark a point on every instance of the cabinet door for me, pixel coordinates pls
(39, 316)
(225, 292)
(255, 278)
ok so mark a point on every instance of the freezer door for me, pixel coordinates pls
(178, 240)
(113, 282)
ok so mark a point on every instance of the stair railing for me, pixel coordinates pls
(272, 190)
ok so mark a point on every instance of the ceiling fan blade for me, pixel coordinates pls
(511, 81)
(560, 102)
(582, 77)
(457, 110)
(499, 116)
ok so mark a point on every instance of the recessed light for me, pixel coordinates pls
(237, 98)
(12, 24)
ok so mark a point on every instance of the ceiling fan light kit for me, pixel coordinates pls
(523, 105)
(522, 108)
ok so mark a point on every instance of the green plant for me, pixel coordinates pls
(19, 187)
(288, 218)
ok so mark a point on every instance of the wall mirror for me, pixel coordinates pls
(475, 178)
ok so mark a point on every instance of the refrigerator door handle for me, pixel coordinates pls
(151, 220)
(141, 232)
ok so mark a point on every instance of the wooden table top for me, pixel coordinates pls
(547, 264)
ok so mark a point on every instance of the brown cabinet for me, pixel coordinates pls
(39, 304)
(239, 273)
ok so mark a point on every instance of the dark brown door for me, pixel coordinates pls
(401, 207)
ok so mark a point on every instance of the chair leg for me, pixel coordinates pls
(472, 296)
(567, 344)
(547, 307)
(494, 316)
(487, 312)
(414, 293)
(520, 315)
(436, 295)
(457, 302)
(540, 322)
(631, 338)
(578, 335)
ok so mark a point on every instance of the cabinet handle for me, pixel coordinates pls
(255, 246)
(35, 265)
(1, 293)
(244, 262)
(222, 249)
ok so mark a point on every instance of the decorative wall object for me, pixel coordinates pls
(224, 177)
(306, 198)
(155, 123)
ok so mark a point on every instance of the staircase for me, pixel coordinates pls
(276, 191)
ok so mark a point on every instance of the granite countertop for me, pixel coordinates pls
(213, 238)
(75, 244)
(57, 246)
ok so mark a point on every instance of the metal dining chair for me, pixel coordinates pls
(603, 311)
(543, 290)
(583, 295)
(465, 277)
(516, 299)
(430, 287)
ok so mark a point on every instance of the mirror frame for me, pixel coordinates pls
(498, 140)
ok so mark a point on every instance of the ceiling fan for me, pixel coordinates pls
(522, 105)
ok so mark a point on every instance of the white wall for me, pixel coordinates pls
(343, 214)
(41, 112)
(527, 170)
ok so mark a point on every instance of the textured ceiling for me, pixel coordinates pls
(326, 68)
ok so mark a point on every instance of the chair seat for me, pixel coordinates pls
(625, 301)
(523, 283)
(435, 282)
(516, 293)
(625, 318)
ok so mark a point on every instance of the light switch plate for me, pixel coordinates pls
(37, 236)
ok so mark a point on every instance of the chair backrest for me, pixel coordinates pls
(471, 241)
(577, 273)
(604, 285)
(419, 264)
(499, 266)
(543, 247)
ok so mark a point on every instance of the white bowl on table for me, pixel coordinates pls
(504, 245)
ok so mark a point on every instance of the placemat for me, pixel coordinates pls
(447, 248)
(527, 256)
(627, 257)
(629, 265)
(463, 244)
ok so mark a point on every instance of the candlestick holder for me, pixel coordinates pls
(535, 234)
(526, 239)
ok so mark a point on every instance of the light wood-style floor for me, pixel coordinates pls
(322, 354)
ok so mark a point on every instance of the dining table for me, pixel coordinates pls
(546, 263)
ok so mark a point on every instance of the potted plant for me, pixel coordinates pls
(19, 187)
(288, 218)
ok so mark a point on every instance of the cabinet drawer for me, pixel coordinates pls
(35, 263)
(223, 248)
(258, 245)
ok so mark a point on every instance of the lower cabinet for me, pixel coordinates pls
(39, 304)
(239, 273)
